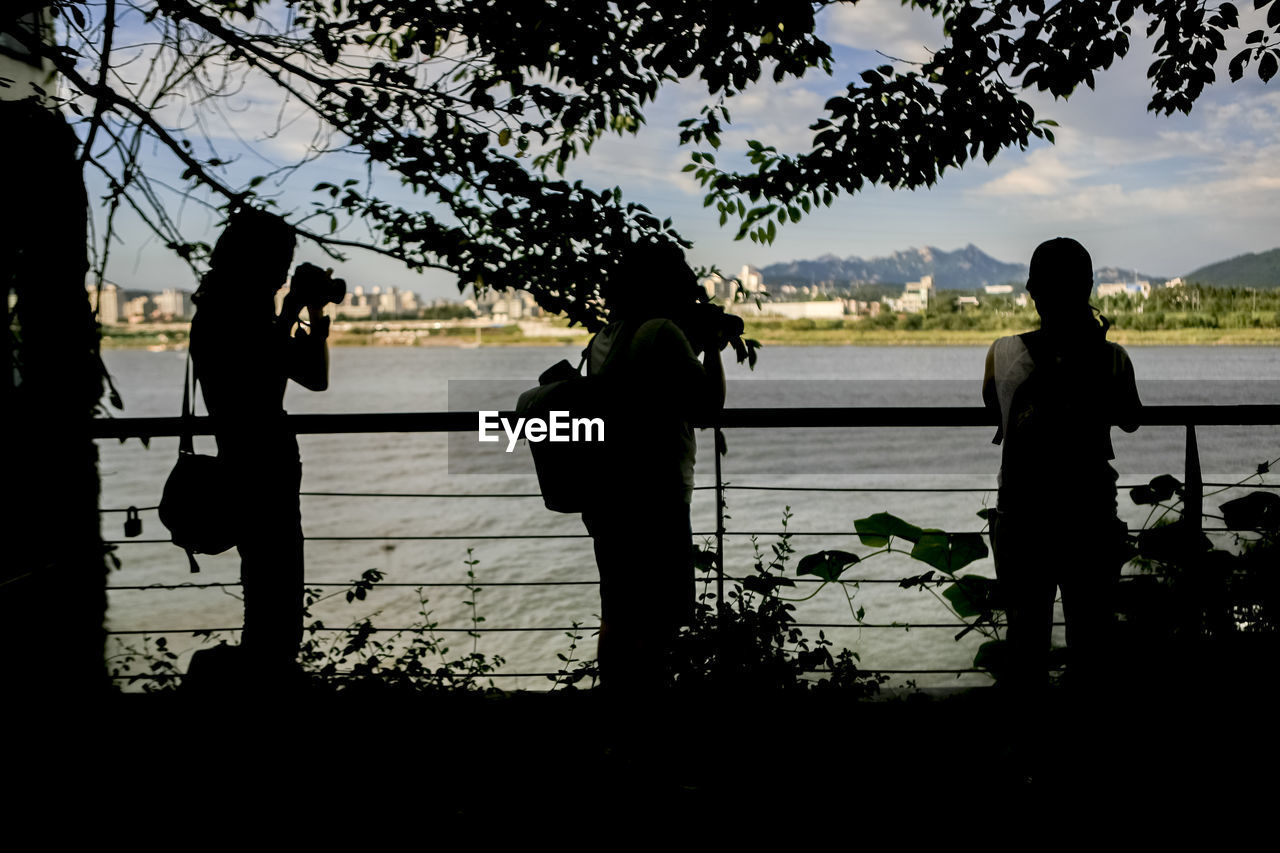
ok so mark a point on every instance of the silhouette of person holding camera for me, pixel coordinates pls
(1058, 390)
(244, 354)
(659, 322)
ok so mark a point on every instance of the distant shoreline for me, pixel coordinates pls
(174, 337)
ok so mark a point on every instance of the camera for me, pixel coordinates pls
(709, 326)
(311, 285)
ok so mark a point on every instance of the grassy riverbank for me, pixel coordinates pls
(784, 333)
(768, 331)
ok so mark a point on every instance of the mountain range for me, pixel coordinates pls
(963, 269)
(1261, 270)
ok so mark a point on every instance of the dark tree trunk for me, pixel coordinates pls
(52, 578)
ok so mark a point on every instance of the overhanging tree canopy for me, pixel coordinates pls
(478, 106)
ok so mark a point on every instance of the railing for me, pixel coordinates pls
(1188, 416)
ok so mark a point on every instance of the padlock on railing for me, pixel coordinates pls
(132, 523)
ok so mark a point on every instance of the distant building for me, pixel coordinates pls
(355, 305)
(136, 310)
(963, 302)
(172, 304)
(1174, 282)
(410, 304)
(106, 305)
(504, 305)
(1132, 289)
(388, 302)
(718, 287)
(751, 278)
(378, 304)
(997, 289)
(917, 296)
(857, 308)
(828, 309)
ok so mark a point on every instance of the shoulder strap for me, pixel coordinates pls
(626, 333)
(186, 441)
(1035, 344)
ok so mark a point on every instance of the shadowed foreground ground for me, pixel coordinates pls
(956, 759)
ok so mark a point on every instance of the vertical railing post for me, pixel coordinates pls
(1212, 597)
(719, 442)
(1193, 491)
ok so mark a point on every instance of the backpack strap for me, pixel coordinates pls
(1036, 347)
(626, 334)
(186, 440)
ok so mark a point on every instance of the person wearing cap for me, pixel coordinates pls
(1058, 391)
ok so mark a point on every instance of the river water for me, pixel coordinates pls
(418, 379)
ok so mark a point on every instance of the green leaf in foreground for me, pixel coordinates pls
(876, 530)
(949, 552)
(990, 655)
(972, 595)
(932, 548)
(827, 565)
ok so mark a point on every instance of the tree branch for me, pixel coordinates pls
(108, 34)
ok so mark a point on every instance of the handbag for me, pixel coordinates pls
(196, 504)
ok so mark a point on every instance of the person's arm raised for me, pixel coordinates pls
(307, 351)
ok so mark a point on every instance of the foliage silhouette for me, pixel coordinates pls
(478, 108)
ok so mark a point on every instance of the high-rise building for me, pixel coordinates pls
(105, 303)
(173, 304)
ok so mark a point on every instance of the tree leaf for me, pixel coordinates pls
(1268, 64)
(1255, 511)
(973, 595)
(965, 549)
(875, 530)
(991, 655)
(932, 548)
(1159, 489)
(827, 565)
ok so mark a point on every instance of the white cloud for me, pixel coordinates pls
(883, 25)
(1045, 173)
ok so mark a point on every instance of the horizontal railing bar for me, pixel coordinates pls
(392, 538)
(731, 487)
(465, 536)
(484, 630)
(435, 494)
(487, 584)
(425, 676)
(746, 418)
(419, 495)
(430, 676)
(727, 486)
(535, 629)
(453, 536)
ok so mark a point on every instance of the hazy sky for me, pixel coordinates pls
(1160, 194)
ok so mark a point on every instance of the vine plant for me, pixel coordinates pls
(1187, 592)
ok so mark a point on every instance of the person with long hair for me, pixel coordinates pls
(1058, 390)
(244, 354)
